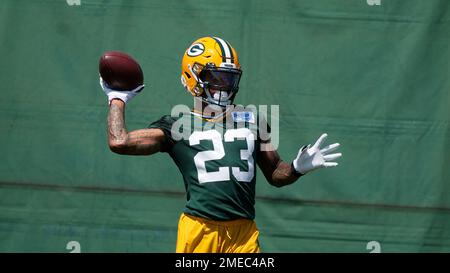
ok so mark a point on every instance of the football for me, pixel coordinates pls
(120, 71)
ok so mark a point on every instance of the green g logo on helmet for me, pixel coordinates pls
(195, 50)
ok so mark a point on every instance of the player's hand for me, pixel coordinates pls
(310, 158)
(125, 96)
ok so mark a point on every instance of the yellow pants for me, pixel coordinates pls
(198, 235)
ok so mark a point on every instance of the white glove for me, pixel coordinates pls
(310, 158)
(122, 95)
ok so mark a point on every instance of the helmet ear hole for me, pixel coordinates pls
(187, 75)
(197, 68)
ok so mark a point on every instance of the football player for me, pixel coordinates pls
(218, 154)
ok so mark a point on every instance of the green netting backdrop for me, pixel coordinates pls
(374, 77)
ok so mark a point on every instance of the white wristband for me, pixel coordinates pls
(124, 96)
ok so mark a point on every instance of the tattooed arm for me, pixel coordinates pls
(277, 172)
(139, 142)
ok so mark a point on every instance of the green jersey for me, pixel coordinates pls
(217, 161)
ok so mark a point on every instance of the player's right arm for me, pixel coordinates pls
(138, 142)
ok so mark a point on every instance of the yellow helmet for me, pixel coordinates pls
(210, 69)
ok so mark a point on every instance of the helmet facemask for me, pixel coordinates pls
(219, 84)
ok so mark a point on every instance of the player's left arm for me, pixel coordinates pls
(280, 173)
(277, 172)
